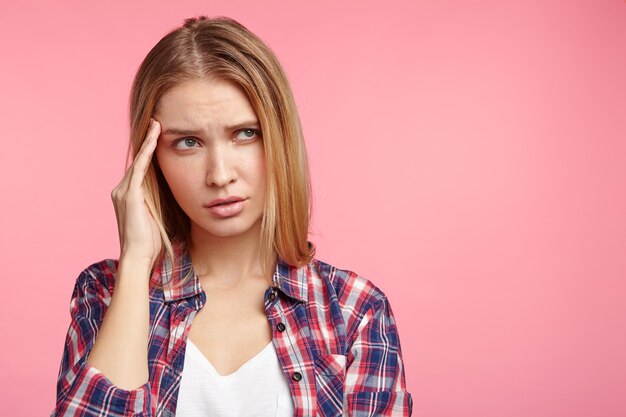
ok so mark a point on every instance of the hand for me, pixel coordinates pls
(138, 231)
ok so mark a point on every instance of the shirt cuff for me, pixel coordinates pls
(93, 394)
(379, 403)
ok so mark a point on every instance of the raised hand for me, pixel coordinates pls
(138, 231)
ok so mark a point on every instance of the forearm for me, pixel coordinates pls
(120, 351)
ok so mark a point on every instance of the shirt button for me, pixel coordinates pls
(272, 296)
(297, 376)
(281, 327)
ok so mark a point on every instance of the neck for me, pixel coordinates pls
(227, 261)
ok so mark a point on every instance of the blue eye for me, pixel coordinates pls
(248, 134)
(186, 143)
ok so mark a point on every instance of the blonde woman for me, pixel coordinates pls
(217, 306)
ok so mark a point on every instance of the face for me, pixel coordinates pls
(210, 149)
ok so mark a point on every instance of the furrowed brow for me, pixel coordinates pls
(175, 131)
(247, 124)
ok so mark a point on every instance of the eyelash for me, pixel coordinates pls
(257, 134)
(179, 141)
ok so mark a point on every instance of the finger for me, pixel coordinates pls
(149, 143)
(122, 187)
(140, 165)
(135, 168)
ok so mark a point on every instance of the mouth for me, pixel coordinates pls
(224, 201)
(228, 208)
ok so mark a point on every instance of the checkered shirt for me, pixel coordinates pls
(334, 332)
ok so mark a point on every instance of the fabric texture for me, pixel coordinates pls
(334, 334)
(205, 393)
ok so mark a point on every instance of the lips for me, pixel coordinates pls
(224, 201)
(226, 208)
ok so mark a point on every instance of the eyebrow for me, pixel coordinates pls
(176, 131)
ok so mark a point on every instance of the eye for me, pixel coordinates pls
(247, 134)
(186, 143)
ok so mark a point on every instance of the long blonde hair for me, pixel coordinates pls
(224, 49)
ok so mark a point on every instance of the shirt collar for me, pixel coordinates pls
(289, 279)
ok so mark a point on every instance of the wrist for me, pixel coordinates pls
(136, 259)
(134, 268)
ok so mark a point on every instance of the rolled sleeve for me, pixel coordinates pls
(92, 394)
(375, 381)
(83, 390)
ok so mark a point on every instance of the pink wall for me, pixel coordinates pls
(467, 157)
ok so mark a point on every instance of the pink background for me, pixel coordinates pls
(467, 157)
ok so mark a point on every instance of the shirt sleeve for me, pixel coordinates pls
(82, 390)
(375, 384)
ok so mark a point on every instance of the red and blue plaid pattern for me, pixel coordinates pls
(333, 330)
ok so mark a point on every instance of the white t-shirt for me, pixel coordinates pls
(258, 388)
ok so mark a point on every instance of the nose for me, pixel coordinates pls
(221, 167)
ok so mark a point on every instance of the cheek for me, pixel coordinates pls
(177, 177)
(259, 165)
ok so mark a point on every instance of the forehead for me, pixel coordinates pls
(204, 100)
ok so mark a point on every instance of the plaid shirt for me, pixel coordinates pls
(333, 330)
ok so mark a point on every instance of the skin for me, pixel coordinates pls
(223, 157)
(221, 154)
(120, 350)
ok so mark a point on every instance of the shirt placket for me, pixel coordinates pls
(291, 338)
(182, 313)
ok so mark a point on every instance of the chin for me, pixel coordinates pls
(236, 228)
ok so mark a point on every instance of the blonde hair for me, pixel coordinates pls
(222, 48)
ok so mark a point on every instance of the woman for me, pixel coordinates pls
(217, 305)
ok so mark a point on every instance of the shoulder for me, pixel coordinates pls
(354, 294)
(99, 276)
(349, 286)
